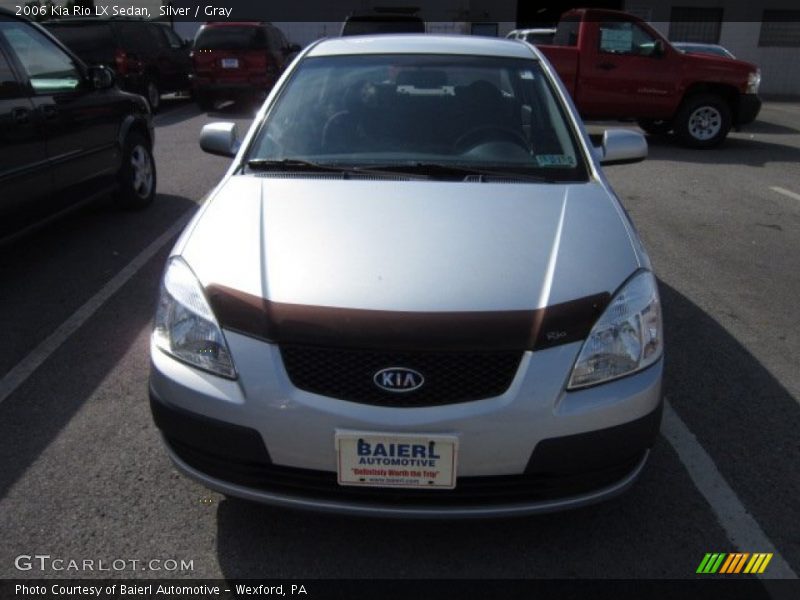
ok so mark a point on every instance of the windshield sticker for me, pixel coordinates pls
(555, 160)
(526, 74)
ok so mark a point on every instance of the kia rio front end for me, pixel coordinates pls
(413, 294)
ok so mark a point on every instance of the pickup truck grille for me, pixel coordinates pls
(450, 377)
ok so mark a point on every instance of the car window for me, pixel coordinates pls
(624, 37)
(9, 86)
(48, 68)
(84, 38)
(361, 110)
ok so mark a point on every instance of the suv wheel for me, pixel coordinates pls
(703, 121)
(137, 175)
(152, 94)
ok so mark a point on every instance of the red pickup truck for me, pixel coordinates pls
(616, 66)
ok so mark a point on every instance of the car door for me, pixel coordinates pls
(79, 124)
(628, 75)
(25, 178)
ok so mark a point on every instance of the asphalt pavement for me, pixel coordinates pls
(83, 474)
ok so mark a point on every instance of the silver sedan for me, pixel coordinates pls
(414, 294)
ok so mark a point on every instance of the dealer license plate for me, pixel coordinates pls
(230, 63)
(396, 460)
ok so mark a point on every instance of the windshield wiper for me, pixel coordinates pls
(456, 171)
(306, 166)
(293, 164)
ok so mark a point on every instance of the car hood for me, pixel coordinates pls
(411, 245)
(720, 66)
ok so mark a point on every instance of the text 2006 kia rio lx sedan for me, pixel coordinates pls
(412, 294)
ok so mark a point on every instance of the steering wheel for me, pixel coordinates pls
(487, 133)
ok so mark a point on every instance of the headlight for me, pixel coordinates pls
(753, 81)
(185, 325)
(627, 337)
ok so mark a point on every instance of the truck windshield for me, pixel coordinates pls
(493, 114)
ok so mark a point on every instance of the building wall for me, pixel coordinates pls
(741, 27)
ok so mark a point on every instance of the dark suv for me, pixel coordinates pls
(148, 58)
(67, 133)
(235, 60)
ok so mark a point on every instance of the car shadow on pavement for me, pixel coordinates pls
(176, 111)
(242, 109)
(770, 128)
(736, 150)
(45, 270)
(660, 528)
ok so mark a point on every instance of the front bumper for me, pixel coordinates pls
(533, 449)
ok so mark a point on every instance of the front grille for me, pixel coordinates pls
(450, 377)
(469, 491)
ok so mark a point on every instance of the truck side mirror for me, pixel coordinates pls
(659, 48)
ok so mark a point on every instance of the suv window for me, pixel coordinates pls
(84, 38)
(155, 35)
(624, 37)
(132, 37)
(9, 86)
(48, 68)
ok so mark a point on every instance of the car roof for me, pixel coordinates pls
(421, 44)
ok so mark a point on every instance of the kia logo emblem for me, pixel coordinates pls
(398, 379)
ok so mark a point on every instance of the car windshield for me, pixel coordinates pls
(491, 113)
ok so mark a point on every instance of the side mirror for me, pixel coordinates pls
(102, 77)
(659, 48)
(220, 139)
(621, 146)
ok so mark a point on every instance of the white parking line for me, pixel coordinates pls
(785, 192)
(26, 367)
(741, 528)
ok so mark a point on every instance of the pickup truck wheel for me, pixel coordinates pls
(703, 121)
(137, 175)
(655, 126)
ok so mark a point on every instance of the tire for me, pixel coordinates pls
(703, 121)
(655, 126)
(137, 175)
(152, 93)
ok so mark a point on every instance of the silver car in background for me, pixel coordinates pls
(413, 294)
